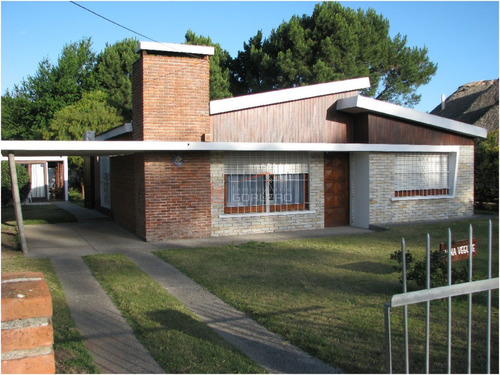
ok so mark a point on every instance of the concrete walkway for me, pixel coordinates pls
(107, 335)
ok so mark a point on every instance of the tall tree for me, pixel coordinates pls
(30, 106)
(114, 73)
(219, 66)
(249, 67)
(334, 43)
(92, 112)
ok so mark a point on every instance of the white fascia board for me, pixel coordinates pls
(176, 48)
(114, 148)
(40, 158)
(287, 95)
(359, 104)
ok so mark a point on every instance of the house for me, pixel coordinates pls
(293, 159)
(474, 103)
(48, 177)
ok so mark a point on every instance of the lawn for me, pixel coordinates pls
(71, 355)
(327, 295)
(37, 214)
(176, 339)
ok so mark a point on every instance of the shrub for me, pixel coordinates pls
(486, 170)
(23, 180)
(416, 272)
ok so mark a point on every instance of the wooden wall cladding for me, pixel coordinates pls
(312, 120)
(384, 130)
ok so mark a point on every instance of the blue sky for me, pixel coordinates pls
(462, 37)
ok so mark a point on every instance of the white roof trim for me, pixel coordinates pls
(287, 95)
(176, 48)
(37, 158)
(359, 104)
(95, 148)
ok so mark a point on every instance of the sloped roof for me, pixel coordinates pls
(361, 104)
(473, 103)
(286, 95)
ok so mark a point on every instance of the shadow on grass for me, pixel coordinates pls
(368, 267)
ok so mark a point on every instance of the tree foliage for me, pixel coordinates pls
(23, 181)
(28, 110)
(219, 66)
(334, 43)
(114, 73)
(91, 112)
(486, 170)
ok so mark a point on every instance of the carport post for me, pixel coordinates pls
(17, 204)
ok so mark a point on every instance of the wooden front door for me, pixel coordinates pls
(336, 189)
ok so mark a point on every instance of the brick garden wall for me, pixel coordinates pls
(27, 333)
(385, 210)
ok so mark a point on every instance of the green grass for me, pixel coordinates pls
(177, 340)
(37, 214)
(327, 295)
(70, 354)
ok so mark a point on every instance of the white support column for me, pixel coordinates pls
(66, 177)
(46, 179)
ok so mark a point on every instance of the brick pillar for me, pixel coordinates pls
(27, 333)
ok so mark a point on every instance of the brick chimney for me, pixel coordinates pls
(171, 92)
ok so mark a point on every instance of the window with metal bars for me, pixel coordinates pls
(421, 175)
(260, 182)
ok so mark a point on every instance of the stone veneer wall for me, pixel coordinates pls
(228, 225)
(384, 210)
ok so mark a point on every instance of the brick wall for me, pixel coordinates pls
(27, 333)
(383, 209)
(177, 197)
(171, 97)
(127, 197)
(149, 194)
(228, 225)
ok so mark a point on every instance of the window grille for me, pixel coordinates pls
(266, 182)
(418, 174)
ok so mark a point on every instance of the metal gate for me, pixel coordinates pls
(446, 292)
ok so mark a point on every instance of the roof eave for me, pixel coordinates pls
(287, 95)
(361, 104)
(116, 148)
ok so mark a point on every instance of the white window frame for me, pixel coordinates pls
(424, 164)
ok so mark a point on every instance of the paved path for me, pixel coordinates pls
(107, 335)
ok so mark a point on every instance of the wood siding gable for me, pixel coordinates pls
(376, 129)
(311, 120)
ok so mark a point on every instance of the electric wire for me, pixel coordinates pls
(135, 32)
(113, 22)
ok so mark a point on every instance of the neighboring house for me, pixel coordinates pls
(474, 103)
(294, 159)
(48, 177)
